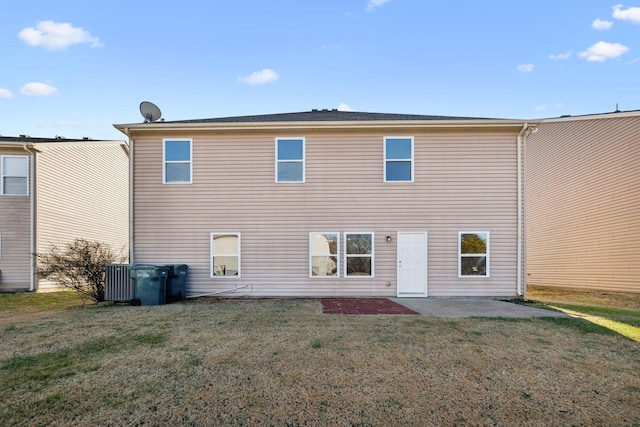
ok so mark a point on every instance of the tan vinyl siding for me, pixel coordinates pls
(463, 181)
(15, 237)
(83, 193)
(583, 200)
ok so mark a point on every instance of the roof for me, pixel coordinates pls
(332, 119)
(30, 139)
(606, 115)
(33, 143)
(333, 115)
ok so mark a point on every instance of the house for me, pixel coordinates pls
(332, 203)
(583, 202)
(54, 190)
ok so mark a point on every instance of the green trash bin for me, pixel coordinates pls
(176, 282)
(149, 287)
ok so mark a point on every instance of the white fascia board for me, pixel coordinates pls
(156, 127)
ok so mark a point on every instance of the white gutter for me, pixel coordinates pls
(163, 127)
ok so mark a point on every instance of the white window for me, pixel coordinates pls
(176, 161)
(358, 255)
(14, 172)
(398, 159)
(290, 160)
(473, 254)
(324, 254)
(225, 254)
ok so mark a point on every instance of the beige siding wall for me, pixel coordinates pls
(583, 200)
(15, 235)
(82, 193)
(463, 182)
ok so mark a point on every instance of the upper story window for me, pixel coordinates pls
(398, 159)
(358, 254)
(290, 160)
(473, 253)
(14, 173)
(324, 254)
(176, 167)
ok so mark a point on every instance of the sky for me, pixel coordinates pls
(73, 68)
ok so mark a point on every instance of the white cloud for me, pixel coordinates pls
(602, 51)
(38, 89)
(600, 24)
(57, 36)
(560, 56)
(526, 68)
(544, 107)
(373, 4)
(344, 107)
(631, 14)
(259, 77)
(5, 93)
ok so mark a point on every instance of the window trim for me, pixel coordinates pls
(211, 254)
(165, 161)
(3, 176)
(303, 160)
(461, 255)
(384, 155)
(372, 256)
(337, 255)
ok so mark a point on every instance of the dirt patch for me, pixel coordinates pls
(363, 306)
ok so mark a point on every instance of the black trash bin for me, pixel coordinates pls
(176, 282)
(149, 287)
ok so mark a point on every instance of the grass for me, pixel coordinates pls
(283, 362)
(33, 302)
(617, 312)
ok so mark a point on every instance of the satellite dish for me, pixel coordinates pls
(149, 111)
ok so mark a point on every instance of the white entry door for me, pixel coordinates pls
(412, 264)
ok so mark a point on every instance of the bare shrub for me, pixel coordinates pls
(80, 266)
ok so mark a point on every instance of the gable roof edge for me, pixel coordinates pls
(325, 125)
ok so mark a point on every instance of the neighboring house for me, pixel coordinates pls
(583, 202)
(54, 190)
(332, 203)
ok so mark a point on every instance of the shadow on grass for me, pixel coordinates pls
(592, 319)
(623, 322)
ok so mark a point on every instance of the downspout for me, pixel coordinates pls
(522, 135)
(32, 215)
(131, 175)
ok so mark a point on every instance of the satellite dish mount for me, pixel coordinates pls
(149, 111)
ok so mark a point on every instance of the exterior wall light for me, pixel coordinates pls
(388, 238)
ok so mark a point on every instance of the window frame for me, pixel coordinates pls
(165, 161)
(212, 255)
(3, 176)
(486, 255)
(347, 255)
(312, 254)
(303, 160)
(411, 160)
